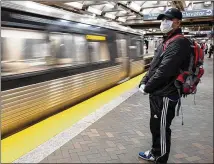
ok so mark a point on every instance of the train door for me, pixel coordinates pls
(123, 54)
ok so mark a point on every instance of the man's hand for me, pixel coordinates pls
(142, 89)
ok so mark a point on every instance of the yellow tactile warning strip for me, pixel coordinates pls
(22, 142)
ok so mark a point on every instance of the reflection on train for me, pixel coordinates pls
(49, 63)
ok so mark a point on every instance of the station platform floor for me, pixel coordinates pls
(116, 130)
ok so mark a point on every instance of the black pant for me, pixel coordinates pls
(162, 114)
(210, 53)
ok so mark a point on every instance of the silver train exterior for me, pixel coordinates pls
(49, 63)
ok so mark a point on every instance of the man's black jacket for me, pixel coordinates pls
(165, 68)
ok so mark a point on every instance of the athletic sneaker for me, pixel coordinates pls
(147, 156)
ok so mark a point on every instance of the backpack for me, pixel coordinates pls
(187, 81)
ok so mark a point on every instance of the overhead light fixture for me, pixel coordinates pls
(132, 17)
(208, 3)
(111, 16)
(187, 3)
(123, 12)
(110, 5)
(161, 8)
(30, 4)
(155, 2)
(146, 11)
(134, 6)
(121, 19)
(114, 24)
(76, 5)
(124, 2)
(94, 10)
(66, 17)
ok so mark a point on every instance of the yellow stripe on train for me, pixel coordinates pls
(95, 37)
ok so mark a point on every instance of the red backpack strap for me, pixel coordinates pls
(170, 40)
(197, 51)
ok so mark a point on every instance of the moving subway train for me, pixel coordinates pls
(49, 62)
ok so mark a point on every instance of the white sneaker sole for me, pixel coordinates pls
(147, 159)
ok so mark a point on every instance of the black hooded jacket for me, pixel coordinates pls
(165, 68)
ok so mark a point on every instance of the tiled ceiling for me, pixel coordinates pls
(122, 11)
(126, 12)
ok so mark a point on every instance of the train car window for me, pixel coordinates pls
(104, 52)
(28, 44)
(24, 44)
(55, 45)
(70, 49)
(133, 48)
(142, 47)
(94, 51)
(2, 49)
(24, 51)
(67, 46)
(63, 47)
(139, 52)
(35, 49)
(121, 48)
(98, 51)
(81, 54)
(13, 49)
(122, 45)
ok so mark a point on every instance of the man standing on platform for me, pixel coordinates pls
(159, 84)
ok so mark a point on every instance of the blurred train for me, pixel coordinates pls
(51, 59)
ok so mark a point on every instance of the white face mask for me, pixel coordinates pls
(166, 26)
